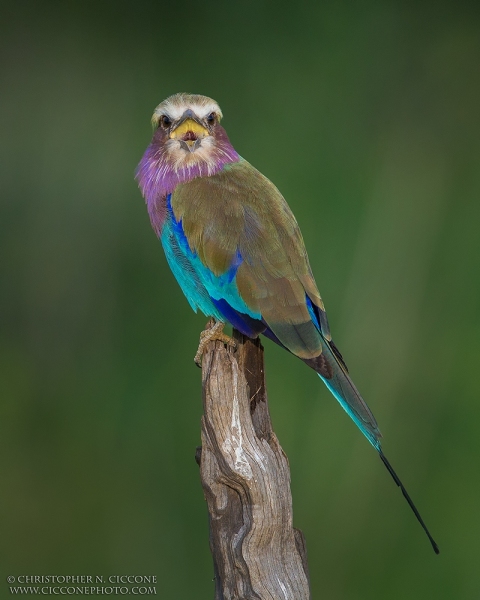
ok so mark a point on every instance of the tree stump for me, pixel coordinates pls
(257, 554)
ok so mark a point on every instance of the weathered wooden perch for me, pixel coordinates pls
(257, 554)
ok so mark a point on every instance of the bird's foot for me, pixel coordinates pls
(210, 334)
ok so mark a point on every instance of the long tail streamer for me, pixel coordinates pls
(409, 500)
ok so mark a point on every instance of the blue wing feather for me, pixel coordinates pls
(210, 293)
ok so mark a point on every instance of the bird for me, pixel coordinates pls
(236, 250)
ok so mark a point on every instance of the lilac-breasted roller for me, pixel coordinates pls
(236, 250)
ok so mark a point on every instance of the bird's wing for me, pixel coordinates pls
(238, 222)
(250, 255)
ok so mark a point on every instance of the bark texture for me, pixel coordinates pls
(245, 475)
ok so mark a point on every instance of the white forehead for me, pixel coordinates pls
(176, 105)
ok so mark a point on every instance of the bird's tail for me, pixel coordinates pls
(335, 376)
(409, 500)
(333, 371)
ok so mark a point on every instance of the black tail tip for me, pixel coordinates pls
(395, 477)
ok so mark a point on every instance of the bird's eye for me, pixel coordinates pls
(211, 118)
(165, 121)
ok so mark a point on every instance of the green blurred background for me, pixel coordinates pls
(367, 116)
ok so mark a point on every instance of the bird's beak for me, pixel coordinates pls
(189, 132)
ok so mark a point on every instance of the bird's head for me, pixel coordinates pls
(186, 124)
(188, 133)
(188, 142)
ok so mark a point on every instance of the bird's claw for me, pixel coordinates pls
(211, 334)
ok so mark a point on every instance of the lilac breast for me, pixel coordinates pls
(158, 175)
